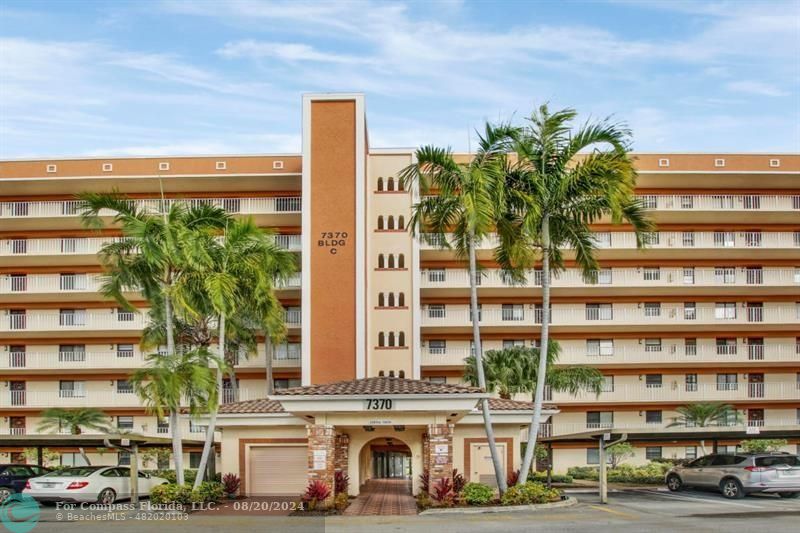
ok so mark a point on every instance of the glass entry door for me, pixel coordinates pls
(393, 465)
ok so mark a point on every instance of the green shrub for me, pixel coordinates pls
(477, 493)
(424, 501)
(341, 501)
(208, 491)
(541, 477)
(763, 445)
(171, 493)
(591, 473)
(651, 473)
(529, 493)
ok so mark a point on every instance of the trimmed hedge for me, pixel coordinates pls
(208, 491)
(651, 473)
(477, 493)
(530, 492)
(541, 477)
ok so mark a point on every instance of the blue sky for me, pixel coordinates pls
(181, 77)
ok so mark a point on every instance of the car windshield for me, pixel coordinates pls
(76, 471)
(778, 460)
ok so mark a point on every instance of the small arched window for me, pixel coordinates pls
(391, 299)
(400, 185)
(401, 338)
(391, 338)
(381, 339)
(380, 184)
(380, 373)
(390, 184)
(401, 299)
(401, 222)
(380, 299)
(401, 374)
(390, 225)
(401, 261)
(381, 262)
(380, 222)
(391, 260)
(391, 373)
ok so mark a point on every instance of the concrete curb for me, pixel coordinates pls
(569, 502)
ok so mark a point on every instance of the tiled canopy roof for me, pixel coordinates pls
(380, 385)
(500, 404)
(252, 406)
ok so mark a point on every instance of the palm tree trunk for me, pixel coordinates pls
(533, 430)
(177, 444)
(476, 334)
(703, 447)
(82, 451)
(212, 421)
(268, 350)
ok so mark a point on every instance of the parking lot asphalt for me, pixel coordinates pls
(639, 510)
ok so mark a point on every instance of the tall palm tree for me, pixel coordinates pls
(515, 370)
(561, 183)
(239, 280)
(57, 419)
(172, 379)
(705, 414)
(157, 248)
(465, 200)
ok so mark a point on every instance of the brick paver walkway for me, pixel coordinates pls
(384, 497)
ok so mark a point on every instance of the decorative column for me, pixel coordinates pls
(322, 455)
(342, 452)
(440, 453)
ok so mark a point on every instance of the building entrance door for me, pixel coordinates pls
(391, 465)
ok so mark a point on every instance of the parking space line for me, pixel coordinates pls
(698, 499)
(614, 511)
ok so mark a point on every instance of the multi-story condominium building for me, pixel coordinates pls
(379, 323)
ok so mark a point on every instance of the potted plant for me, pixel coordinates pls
(231, 483)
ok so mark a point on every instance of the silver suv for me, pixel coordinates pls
(736, 475)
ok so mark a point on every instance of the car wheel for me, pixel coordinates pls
(107, 496)
(731, 489)
(5, 492)
(781, 494)
(674, 483)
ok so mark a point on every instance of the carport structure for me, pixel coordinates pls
(605, 437)
(128, 442)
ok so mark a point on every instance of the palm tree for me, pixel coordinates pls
(463, 199)
(705, 414)
(515, 370)
(57, 419)
(560, 184)
(240, 280)
(157, 248)
(167, 381)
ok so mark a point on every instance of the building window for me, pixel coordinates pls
(380, 222)
(123, 458)
(726, 346)
(725, 311)
(437, 311)
(652, 309)
(71, 389)
(401, 339)
(724, 239)
(652, 345)
(381, 261)
(512, 343)
(72, 317)
(599, 419)
(380, 184)
(726, 382)
(194, 427)
(690, 453)
(124, 386)
(599, 347)
(124, 350)
(602, 239)
(72, 459)
(689, 311)
(688, 239)
(285, 383)
(592, 456)
(690, 346)
(437, 275)
(652, 274)
(125, 422)
(608, 384)
(688, 276)
(652, 452)
(194, 459)
(437, 379)
(724, 275)
(649, 201)
(599, 312)
(513, 312)
(437, 347)
(70, 353)
(401, 261)
(691, 382)
(653, 381)
(653, 417)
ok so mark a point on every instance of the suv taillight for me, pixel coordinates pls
(27, 484)
(77, 485)
(757, 468)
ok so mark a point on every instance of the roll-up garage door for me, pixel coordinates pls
(277, 470)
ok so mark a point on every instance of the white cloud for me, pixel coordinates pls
(755, 87)
(283, 51)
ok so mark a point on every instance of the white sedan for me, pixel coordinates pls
(101, 484)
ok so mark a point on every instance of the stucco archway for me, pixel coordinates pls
(361, 441)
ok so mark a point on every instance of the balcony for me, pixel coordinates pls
(677, 353)
(565, 428)
(720, 202)
(67, 399)
(610, 316)
(677, 392)
(650, 278)
(77, 320)
(66, 361)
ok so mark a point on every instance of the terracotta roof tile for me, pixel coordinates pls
(501, 404)
(262, 405)
(378, 385)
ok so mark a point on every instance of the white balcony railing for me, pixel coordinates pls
(623, 277)
(566, 428)
(79, 319)
(677, 391)
(71, 360)
(92, 245)
(616, 314)
(671, 240)
(720, 202)
(581, 353)
(71, 208)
